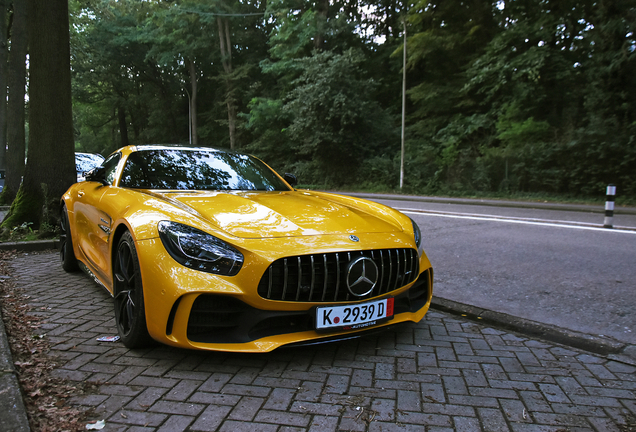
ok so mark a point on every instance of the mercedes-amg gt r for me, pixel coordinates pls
(209, 249)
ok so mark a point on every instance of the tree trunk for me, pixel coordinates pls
(3, 81)
(193, 103)
(15, 111)
(322, 12)
(123, 127)
(50, 167)
(231, 121)
(226, 57)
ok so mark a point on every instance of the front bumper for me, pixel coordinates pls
(218, 319)
(191, 309)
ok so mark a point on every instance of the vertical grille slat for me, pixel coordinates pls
(300, 278)
(324, 288)
(323, 277)
(397, 270)
(382, 273)
(388, 283)
(348, 260)
(413, 266)
(313, 278)
(335, 296)
(285, 273)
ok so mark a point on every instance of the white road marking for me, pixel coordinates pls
(540, 222)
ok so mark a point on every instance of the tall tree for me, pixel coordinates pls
(499, 92)
(122, 93)
(446, 36)
(335, 123)
(16, 107)
(3, 81)
(174, 36)
(225, 43)
(50, 167)
(322, 14)
(194, 134)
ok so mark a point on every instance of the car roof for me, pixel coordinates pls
(177, 147)
(126, 151)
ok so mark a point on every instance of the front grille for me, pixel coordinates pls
(322, 277)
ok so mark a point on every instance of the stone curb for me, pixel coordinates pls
(596, 344)
(14, 416)
(31, 246)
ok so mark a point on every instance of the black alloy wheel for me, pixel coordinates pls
(67, 256)
(130, 314)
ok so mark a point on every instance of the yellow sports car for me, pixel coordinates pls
(209, 249)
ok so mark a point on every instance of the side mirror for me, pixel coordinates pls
(97, 174)
(291, 179)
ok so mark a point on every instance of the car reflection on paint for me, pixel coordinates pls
(209, 249)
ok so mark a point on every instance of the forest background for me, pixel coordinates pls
(502, 97)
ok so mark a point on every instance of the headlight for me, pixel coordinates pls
(198, 250)
(418, 237)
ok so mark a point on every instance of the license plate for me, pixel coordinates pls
(355, 316)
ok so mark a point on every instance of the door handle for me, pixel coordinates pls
(80, 194)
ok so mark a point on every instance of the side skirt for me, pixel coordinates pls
(90, 274)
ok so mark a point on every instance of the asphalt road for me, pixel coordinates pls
(565, 274)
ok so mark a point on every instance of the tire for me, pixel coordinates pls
(67, 256)
(130, 313)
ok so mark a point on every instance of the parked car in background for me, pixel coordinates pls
(213, 250)
(84, 162)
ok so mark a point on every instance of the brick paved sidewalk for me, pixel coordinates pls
(443, 374)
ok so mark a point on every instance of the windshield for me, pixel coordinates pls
(197, 169)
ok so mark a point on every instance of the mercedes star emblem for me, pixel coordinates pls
(362, 276)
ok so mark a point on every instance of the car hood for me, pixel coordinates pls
(284, 214)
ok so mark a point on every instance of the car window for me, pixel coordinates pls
(183, 169)
(110, 165)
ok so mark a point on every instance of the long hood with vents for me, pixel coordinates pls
(284, 214)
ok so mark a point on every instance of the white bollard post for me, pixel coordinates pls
(609, 206)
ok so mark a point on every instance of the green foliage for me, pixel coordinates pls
(25, 232)
(327, 124)
(267, 122)
(503, 97)
(111, 73)
(543, 102)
